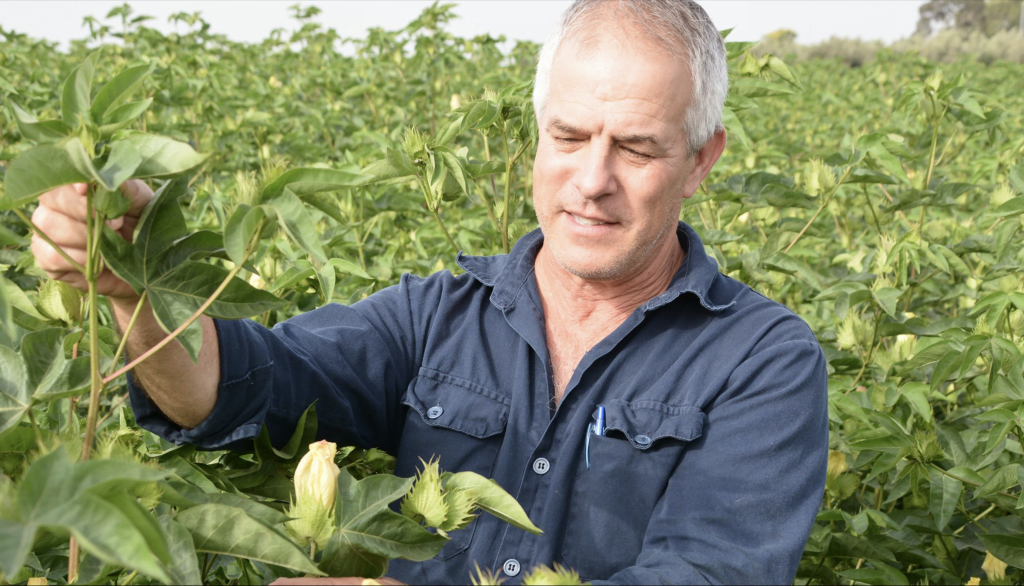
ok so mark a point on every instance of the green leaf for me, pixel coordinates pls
(1016, 178)
(302, 182)
(881, 574)
(123, 116)
(162, 156)
(49, 374)
(489, 496)
(1003, 479)
(117, 91)
(178, 294)
(55, 494)
(32, 129)
(184, 566)
(43, 168)
(242, 227)
(366, 523)
(1008, 548)
(945, 494)
(151, 531)
(225, 530)
(122, 162)
(734, 127)
(297, 224)
(341, 558)
(76, 95)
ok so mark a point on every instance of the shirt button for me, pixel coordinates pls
(541, 466)
(643, 440)
(511, 568)
(434, 412)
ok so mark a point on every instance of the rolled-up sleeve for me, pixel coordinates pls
(741, 504)
(354, 362)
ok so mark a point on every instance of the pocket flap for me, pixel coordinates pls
(454, 403)
(644, 423)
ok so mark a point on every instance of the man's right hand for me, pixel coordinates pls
(62, 216)
(185, 392)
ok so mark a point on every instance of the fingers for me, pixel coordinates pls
(63, 230)
(68, 200)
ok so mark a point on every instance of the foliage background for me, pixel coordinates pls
(882, 203)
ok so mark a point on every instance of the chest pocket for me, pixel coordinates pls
(613, 501)
(457, 421)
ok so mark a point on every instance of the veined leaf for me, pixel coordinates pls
(117, 91)
(162, 156)
(39, 131)
(43, 168)
(122, 162)
(75, 97)
(492, 498)
(225, 530)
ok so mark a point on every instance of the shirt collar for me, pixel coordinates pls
(508, 273)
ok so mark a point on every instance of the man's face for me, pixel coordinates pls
(612, 167)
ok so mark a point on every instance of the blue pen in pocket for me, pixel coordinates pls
(598, 427)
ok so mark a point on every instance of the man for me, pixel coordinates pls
(713, 461)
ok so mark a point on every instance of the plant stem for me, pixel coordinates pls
(821, 208)
(39, 434)
(128, 330)
(508, 192)
(445, 230)
(91, 276)
(73, 561)
(312, 551)
(46, 239)
(428, 196)
(198, 313)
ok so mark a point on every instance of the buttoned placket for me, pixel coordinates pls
(524, 314)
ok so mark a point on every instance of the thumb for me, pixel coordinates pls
(138, 193)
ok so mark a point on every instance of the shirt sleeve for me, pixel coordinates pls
(741, 504)
(354, 362)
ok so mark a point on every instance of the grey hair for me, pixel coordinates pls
(675, 24)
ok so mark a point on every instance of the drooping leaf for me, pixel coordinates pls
(226, 530)
(489, 496)
(162, 156)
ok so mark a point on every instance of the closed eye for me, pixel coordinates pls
(637, 154)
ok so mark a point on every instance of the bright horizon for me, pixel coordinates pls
(812, 20)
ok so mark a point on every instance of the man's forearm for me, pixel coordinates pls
(184, 391)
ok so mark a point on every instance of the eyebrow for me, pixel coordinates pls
(567, 128)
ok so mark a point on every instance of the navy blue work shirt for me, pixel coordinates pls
(712, 469)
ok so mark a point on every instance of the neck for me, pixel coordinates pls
(576, 300)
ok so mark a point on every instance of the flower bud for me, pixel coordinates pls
(836, 463)
(316, 488)
(316, 477)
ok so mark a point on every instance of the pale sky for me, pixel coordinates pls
(813, 20)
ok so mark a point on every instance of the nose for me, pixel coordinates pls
(595, 177)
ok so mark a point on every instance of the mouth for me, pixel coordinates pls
(585, 221)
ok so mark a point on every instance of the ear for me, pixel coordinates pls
(704, 160)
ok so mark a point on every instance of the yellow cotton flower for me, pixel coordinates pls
(316, 477)
(994, 567)
(975, 581)
(316, 488)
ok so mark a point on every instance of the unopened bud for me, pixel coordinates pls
(316, 477)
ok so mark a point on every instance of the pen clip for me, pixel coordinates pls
(586, 444)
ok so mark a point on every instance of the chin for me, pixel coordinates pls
(592, 266)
